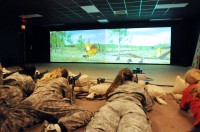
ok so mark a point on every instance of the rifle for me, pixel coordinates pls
(72, 80)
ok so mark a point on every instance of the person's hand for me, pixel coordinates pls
(178, 101)
(66, 99)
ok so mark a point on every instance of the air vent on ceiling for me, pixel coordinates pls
(120, 12)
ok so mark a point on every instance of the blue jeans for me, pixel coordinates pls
(196, 128)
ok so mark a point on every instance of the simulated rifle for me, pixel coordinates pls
(72, 80)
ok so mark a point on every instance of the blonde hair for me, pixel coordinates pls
(195, 91)
(192, 76)
(119, 80)
(59, 72)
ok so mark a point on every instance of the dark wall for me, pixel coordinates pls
(184, 40)
(37, 41)
(37, 45)
(11, 47)
(18, 47)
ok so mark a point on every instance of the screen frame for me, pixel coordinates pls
(111, 29)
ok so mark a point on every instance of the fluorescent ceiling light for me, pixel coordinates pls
(163, 6)
(103, 20)
(53, 25)
(90, 9)
(166, 19)
(120, 12)
(31, 16)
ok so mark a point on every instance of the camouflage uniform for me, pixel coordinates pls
(15, 88)
(50, 101)
(124, 111)
(1, 77)
(1, 74)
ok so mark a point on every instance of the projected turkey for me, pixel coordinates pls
(123, 45)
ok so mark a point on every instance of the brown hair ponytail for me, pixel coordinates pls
(123, 75)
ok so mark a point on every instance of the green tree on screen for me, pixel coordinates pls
(81, 43)
(69, 39)
(57, 40)
(120, 33)
(53, 40)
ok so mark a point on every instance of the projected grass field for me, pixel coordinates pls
(130, 45)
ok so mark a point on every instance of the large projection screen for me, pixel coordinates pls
(122, 45)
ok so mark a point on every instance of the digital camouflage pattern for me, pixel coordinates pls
(16, 120)
(1, 74)
(50, 101)
(15, 88)
(124, 111)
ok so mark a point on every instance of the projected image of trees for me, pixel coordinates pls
(130, 45)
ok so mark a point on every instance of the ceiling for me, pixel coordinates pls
(63, 12)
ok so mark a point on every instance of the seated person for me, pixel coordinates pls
(50, 102)
(125, 109)
(191, 99)
(17, 86)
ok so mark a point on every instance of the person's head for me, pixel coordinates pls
(123, 75)
(28, 70)
(59, 72)
(192, 76)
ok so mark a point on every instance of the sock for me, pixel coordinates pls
(58, 129)
(53, 127)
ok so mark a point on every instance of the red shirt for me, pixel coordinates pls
(193, 103)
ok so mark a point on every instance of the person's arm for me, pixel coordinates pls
(186, 98)
(184, 103)
(1, 74)
(67, 91)
(30, 86)
(149, 103)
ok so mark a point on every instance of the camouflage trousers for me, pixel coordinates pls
(1, 76)
(16, 120)
(120, 116)
(10, 96)
(24, 117)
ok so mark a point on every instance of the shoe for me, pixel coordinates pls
(48, 127)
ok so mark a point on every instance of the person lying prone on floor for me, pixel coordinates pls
(126, 107)
(50, 102)
(17, 86)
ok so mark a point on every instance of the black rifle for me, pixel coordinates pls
(10, 73)
(40, 75)
(136, 71)
(72, 80)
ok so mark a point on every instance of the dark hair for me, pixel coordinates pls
(28, 70)
(64, 73)
(128, 76)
